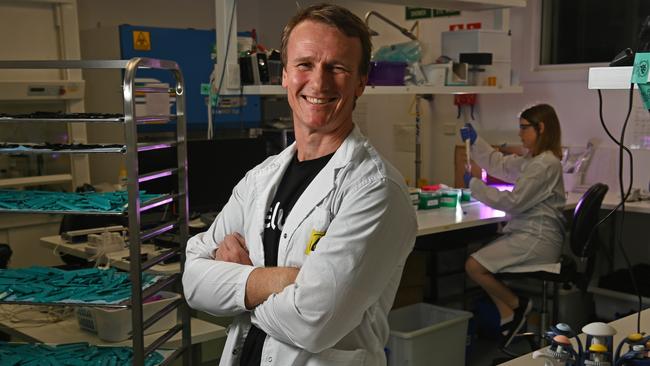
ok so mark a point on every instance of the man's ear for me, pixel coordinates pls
(363, 80)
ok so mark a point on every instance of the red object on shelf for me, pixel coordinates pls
(464, 99)
(476, 25)
(453, 27)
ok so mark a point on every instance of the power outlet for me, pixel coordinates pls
(449, 128)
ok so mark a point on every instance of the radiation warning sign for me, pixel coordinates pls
(141, 41)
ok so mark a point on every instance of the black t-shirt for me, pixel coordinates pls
(298, 176)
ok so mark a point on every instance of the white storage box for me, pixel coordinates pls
(611, 305)
(436, 74)
(499, 70)
(114, 325)
(478, 40)
(424, 334)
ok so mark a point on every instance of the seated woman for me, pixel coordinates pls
(533, 238)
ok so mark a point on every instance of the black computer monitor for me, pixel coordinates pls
(214, 167)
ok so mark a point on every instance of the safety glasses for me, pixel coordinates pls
(524, 126)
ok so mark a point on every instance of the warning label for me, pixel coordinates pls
(141, 41)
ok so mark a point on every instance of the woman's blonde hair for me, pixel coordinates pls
(551, 138)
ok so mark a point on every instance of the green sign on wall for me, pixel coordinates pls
(422, 13)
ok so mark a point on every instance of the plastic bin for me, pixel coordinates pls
(611, 305)
(114, 325)
(386, 73)
(424, 334)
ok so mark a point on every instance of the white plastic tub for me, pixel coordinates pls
(611, 305)
(114, 325)
(424, 334)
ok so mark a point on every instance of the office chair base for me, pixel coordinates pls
(532, 343)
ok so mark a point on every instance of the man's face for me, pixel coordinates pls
(322, 76)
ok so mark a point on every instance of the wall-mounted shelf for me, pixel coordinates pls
(31, 90)
(228, 56)
(472, 5)
(45, 1)
(393, 90)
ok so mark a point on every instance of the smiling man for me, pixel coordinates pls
(308, 252)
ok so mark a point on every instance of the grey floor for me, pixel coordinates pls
(486, 351)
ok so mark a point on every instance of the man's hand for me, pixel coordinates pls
(233, 249)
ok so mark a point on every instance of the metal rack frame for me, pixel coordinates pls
(130, 121)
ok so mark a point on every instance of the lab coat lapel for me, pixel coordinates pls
(322, 185)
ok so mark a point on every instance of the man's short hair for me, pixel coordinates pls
(337, 17)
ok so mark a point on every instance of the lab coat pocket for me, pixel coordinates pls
(320, 221)
(337, 357)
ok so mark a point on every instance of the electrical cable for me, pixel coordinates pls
(223, 67)
(50, 314)
(624, 195)
(624, 198)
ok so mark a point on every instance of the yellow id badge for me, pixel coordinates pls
(313, 240)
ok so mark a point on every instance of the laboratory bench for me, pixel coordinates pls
(117, 259)
(612, 199)
(624, 327)
(463, 216)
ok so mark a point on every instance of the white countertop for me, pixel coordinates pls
(465, 215)
(623, 326)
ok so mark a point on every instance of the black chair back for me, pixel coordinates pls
(585, 216)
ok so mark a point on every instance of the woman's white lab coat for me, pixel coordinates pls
(535, 233)
(336, 312)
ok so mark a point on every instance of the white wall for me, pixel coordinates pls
(269, 17)
(566, 89)
(495, 115)
(175, 14)
(388, 114)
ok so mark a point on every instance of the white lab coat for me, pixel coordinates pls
(336, 312)
(535, 233)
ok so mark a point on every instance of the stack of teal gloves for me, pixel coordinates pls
(48, 285)
(63, 201)
(72, 354)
